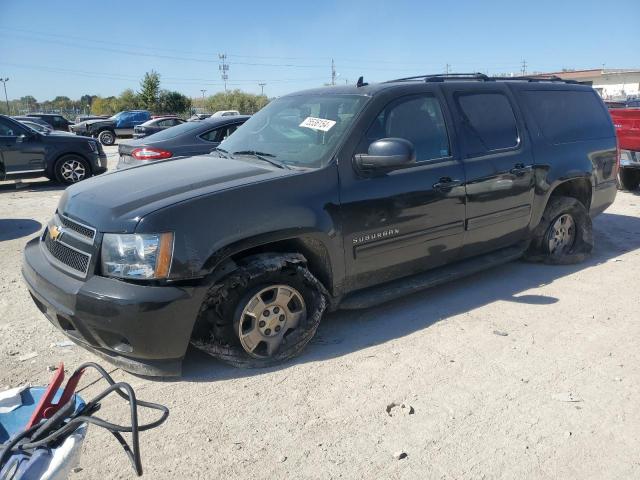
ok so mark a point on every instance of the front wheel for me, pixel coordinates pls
(564, 235)
(107, 137)
(263, 313)
(72, 169)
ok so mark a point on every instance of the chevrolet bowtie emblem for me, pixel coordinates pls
(54, 232)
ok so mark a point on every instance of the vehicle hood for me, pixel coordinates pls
(117, 201)
(96, 121)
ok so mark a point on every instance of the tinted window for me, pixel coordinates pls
(488, 122)
(178, 130)
(226, 131)
(210, 136)
(568, 116)
(417, 119)
(9, 129)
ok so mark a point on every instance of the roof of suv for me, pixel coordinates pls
(363, 88)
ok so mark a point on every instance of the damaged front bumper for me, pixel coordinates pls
(142, 329)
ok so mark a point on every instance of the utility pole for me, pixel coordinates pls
(447, 69)
(262, 88)
(203, 90)
(224, 68)
(6, 99)
(333, 73)
(523, 70)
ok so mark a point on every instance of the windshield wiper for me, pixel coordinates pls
(263, 156)
(222, 151)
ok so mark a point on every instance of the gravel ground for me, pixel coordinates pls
(522, 371)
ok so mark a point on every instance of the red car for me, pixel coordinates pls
(627, 124)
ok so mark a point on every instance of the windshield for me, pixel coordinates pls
(299, 130)
(117, 116)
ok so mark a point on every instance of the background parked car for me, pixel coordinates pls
(109, 129)
(22, 118)
(198, 116)
(84, 118)
(627, 124)
(25, 153)
(155, 125)
(57, 121)
(187, 139)
(37, 126)
(225, 113)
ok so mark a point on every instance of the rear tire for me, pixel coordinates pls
(71, 169)
(107, 137)
(564, 235)
(261, 314)
(628, 179)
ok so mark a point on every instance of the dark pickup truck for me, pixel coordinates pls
(107, 130)
(340, 197)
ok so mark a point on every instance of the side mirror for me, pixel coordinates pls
(21, 138)
(387, 154)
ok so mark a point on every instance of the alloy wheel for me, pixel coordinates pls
(561, 235)
(267, 317)
(73, 171)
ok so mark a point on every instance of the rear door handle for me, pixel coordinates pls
(445, 184)
(520, 169)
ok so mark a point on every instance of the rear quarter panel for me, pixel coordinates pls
(554, 163)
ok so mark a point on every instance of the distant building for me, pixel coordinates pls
(611, 84)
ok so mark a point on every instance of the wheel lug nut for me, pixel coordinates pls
(267, 331)
(281, 318)
(266, 313)
(276, 310)
(262, 323)
(277, 328)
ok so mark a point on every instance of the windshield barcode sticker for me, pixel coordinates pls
(317, 123)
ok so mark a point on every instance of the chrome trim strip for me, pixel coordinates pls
(15, 172)
(67, 229)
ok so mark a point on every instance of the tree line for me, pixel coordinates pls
(150, 96)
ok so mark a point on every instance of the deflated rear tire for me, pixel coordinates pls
(564, 235)
(262, 313)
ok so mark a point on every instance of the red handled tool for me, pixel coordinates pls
(46, 408)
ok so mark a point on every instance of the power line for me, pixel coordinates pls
(523, 68)
(224, 68)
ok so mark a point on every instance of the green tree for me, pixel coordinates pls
(149, 90)
(29, 103)
(245, 103)
(172, 102)
(62, 103)
(103, 106)
(128, 100)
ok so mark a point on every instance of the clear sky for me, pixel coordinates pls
(71, 48)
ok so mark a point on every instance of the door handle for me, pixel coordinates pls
(520, 169)
(445, 184)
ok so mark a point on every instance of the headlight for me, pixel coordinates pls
(93, 146)
(137, 256)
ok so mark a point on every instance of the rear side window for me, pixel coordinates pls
(568, 116)
(488, 122)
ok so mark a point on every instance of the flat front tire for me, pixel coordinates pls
(263, 313)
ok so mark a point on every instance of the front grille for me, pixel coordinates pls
(76, 227)
(67, 255)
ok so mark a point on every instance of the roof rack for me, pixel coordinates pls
(441, 77)
(480, 77)
(541, 78)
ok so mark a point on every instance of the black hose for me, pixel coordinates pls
(56, 432)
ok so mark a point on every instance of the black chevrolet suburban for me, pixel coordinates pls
(339, 197)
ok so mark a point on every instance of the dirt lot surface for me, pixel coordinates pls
(523, 371)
